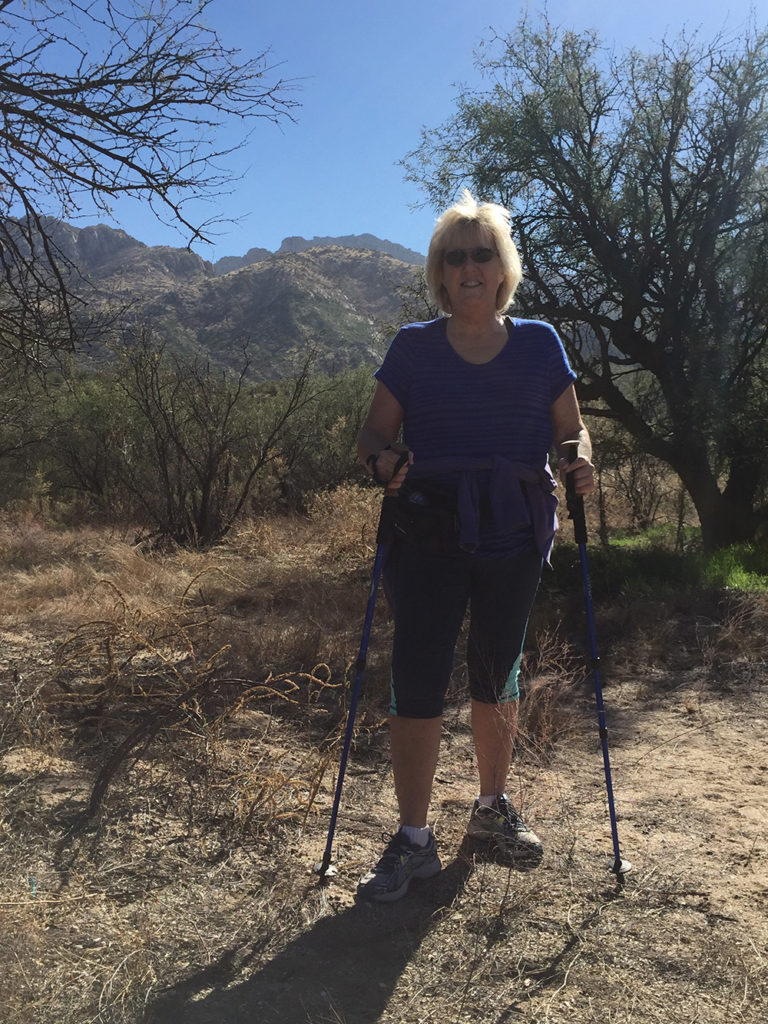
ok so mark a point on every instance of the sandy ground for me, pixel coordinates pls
(685, 939)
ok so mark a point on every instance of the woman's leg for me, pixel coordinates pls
(414, 744)
(494, 727)
(503, 592)
(430, 599)
(496, 820)
(502, 596)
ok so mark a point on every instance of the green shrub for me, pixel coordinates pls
(738, 567)
(648, 564)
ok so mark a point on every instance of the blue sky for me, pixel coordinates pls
(372, 74)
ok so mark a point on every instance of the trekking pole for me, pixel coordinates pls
(575, 506)
(324, 868)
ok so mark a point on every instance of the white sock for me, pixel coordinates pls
(419, 836)
(487, 800)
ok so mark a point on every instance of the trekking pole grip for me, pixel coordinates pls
(574, 502)
(388, 505)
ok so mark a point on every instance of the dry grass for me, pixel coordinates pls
(169, 733)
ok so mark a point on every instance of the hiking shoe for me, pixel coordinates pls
(401, 861)
(501, 824)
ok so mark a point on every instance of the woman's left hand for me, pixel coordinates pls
(583, 474)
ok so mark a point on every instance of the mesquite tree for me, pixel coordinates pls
(638, 186)
(177, 442)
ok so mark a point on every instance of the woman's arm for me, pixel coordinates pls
(567, 425)
(381, 428)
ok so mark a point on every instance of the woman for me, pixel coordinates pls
(481, 399)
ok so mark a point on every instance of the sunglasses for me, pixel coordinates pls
(458, 257)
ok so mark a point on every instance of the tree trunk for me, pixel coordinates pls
(726, 517)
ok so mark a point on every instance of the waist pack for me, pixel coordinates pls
(427, 518)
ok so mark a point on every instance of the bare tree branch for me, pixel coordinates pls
(101, 99)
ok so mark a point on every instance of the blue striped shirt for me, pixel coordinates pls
(456, 409)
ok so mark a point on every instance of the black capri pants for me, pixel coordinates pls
(431, 594)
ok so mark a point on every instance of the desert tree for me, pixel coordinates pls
(183, 447)
(92, 430)
(25, 427)
(318, 443)
(638, 185)
(174, 442)
(416, 304)
(99, 100)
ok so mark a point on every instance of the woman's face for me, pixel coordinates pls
(472, 272)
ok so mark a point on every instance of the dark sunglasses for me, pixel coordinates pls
(458, 257)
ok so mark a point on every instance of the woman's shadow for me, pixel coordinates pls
(344, 968)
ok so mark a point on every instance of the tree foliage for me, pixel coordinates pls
(172, 443)
(639, 191)
(101, 99)
(319, 442)
(182, 448)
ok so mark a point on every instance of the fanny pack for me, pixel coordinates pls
(427, 517)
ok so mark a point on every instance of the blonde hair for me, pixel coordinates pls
(488, 217)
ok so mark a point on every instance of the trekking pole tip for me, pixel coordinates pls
(620, 868)
(326, 871)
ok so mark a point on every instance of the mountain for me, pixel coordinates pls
(229, 263)
(331, 297)
(296, 244)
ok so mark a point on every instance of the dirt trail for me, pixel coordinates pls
(685, 940)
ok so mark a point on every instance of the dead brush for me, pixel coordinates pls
(24, 714)
(134, 677)
(22, 949)
(738, 637)
(147, 673)
(254, 538)
(266, 793)
(550, 676)
(25, 542)
(251, 781)
(347, 518)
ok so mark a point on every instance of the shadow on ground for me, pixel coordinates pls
(344, 968)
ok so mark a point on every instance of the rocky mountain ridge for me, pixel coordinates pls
(335, 297)
(296, 243)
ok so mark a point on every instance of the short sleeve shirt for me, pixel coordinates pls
(456, 409)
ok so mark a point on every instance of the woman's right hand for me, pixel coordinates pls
(386, 463)
(375, 447)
